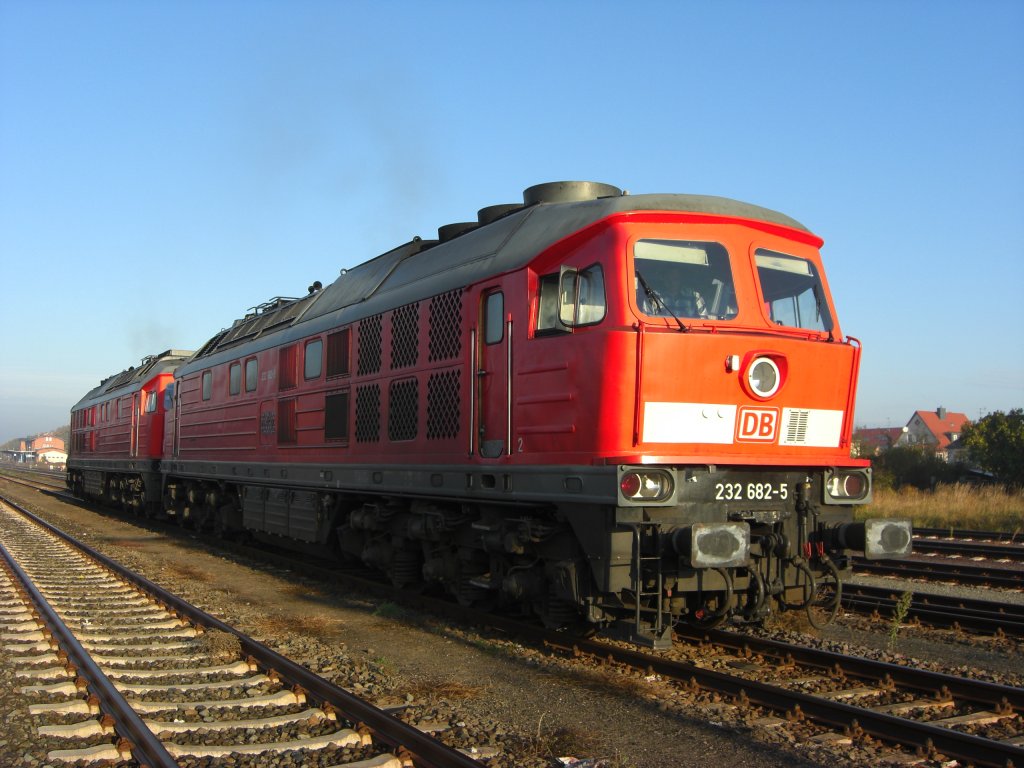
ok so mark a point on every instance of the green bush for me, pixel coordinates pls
(917, 467)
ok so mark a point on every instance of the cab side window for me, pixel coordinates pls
(570, 299)
(313, 359)
(585, 295)
(494, 317)
(547, 305)
(251, 374)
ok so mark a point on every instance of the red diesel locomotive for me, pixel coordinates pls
(634, 409)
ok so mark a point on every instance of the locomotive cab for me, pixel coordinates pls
(727, 411)
(117, 434)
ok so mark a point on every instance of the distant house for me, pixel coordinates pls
(875, 440)
(939, 430)
(52, 456)
(47, 442)
(45, 448)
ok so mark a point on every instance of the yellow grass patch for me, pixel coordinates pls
(979, 508)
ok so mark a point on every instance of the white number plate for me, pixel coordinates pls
(751, 491)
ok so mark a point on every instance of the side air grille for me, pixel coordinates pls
(369, 345)
(368, 413)
(796, 427)
(445, 326)
(403, 409)
(443, 400)
(405, 331)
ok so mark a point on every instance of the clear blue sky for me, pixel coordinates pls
(166, 165)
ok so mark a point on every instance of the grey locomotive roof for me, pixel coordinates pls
(421, 269)
(132, 379)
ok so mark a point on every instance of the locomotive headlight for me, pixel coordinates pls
(847, 486)
(645, 486)
(763, 377)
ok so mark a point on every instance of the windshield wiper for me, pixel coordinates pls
(653, 294)
(818, 301)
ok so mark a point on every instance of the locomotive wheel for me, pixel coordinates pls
(220, 524)
(204, 518)
(123, 496)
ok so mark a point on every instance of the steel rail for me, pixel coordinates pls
(940, 610)
(973, 575)
(1014, 552)
(144, 745)
(974, 691)
(960, 533)
(424, 750)
(33, 483)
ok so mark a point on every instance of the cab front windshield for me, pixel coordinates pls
(683, 279)
(792, 291)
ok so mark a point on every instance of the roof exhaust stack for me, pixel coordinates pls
(494, 212)
(450, 231)
(568, 192)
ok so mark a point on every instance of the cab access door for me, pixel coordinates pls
(494, 403)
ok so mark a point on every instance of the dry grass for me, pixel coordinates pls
(567, 741)
(189, 572)
(128, 543)
(317, 626)
(984, 508)
(789, 621)
(435, 689)
(301, 591)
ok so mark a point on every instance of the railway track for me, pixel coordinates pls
(33, 478)
(969, 574)
(977, 617)
(959, 613)
(962, 534)
(968, 720)
(971, 550)
(830, 697)
(120, 668)
(821, 690)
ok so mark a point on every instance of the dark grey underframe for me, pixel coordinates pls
(508, 485)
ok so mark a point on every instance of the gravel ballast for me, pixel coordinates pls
(510, 704)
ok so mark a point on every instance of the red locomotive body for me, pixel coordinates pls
(117, 433)
(593, 404)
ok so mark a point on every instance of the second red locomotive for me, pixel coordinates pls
(625, 408)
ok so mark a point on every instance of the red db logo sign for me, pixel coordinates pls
(758, 425)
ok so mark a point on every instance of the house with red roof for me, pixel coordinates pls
(939, 429)
(872, 441)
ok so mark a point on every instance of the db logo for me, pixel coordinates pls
(759, 425)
